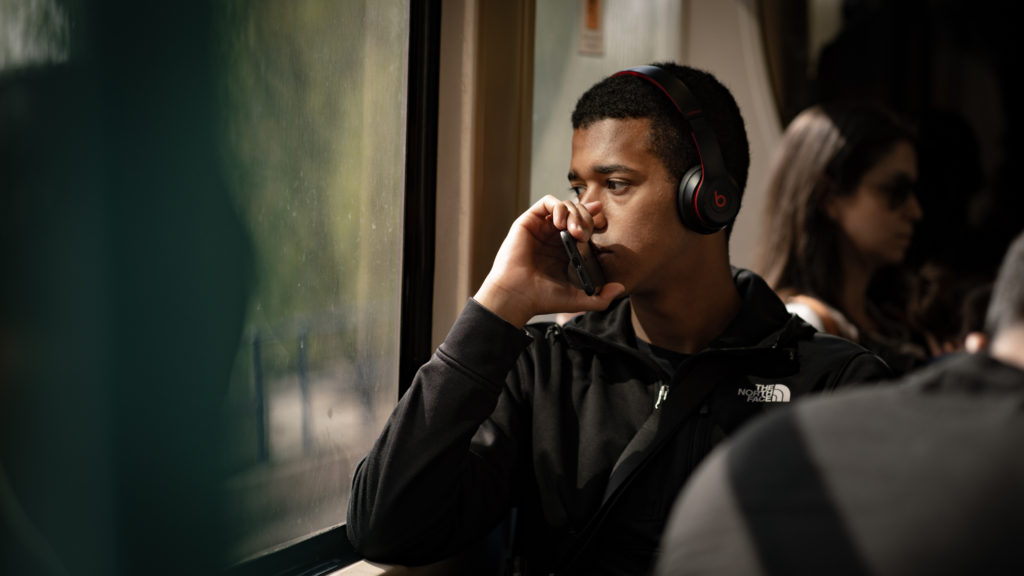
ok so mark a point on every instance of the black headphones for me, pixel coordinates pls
(708, 199)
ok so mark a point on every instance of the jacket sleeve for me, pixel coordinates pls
(423, 493)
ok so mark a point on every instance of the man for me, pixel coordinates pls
(920, 478)
(588, 430)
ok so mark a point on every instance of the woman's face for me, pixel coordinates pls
(877, 220)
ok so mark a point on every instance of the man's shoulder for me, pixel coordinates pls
(832, 344)
(835, 361)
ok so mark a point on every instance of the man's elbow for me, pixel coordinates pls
(368, 538)
(379, 541)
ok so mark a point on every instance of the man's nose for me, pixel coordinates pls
(587, 194)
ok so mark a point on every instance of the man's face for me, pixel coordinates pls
(642, 235)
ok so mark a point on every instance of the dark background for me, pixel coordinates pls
(950, 68)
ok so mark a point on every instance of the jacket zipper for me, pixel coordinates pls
(662, 396)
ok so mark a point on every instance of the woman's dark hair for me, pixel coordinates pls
(825, 151)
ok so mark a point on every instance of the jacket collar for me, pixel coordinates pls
(762, 320)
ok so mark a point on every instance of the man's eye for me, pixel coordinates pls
(577, 190)
(616, 185)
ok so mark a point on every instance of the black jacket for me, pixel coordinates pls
(536, 419)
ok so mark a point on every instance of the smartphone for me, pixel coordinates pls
(585, 272)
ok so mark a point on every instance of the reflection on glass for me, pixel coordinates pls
(315, 119)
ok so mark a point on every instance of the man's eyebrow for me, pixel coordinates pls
(604, 169)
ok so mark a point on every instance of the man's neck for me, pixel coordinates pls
(689, 315)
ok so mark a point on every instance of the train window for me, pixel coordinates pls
(205, 241)
(35, 33)
(315, 101)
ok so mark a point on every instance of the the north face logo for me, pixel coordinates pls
(766, 393)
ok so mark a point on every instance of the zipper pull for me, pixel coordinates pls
(662, 396)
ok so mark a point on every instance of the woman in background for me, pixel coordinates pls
(840, 210)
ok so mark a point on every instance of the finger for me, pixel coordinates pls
(544, 207)
(573, 211)
(601, 299)
(553, 209)
(580, 222)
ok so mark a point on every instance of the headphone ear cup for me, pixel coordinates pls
(706, 201)
(706, 206)
(684, 199)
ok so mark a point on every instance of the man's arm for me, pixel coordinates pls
(421, 494)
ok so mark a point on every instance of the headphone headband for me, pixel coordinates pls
(673, 87)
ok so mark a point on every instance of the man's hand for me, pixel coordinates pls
(530, 272)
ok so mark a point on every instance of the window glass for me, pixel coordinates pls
(33, 33)
(315, 100)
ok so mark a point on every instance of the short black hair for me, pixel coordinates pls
(628, 96)
(1006, 305)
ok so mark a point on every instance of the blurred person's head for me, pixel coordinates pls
(1006, 303)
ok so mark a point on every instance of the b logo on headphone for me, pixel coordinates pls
(707, 199)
